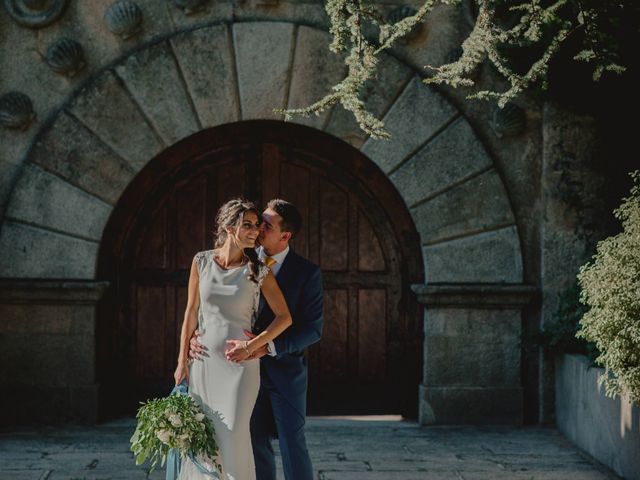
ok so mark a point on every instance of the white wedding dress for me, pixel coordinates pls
(226, 391)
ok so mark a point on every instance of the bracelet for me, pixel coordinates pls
(246, 349)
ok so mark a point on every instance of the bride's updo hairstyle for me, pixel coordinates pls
(230, 215)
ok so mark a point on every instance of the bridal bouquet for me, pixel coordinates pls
(174, 422)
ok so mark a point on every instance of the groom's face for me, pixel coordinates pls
(271, 237)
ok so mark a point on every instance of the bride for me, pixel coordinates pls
(224, 291)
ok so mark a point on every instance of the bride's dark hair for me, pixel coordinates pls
(230, 215)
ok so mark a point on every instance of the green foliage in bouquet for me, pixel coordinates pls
(611, 288)
(172, 422)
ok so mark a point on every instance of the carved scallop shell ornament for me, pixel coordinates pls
(65, 57)
(16, 110)
(124, 18)
(508, 121)
(35, 13)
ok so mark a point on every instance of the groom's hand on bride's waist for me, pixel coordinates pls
(196, 349)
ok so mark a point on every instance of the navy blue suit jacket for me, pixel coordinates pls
(301, 283)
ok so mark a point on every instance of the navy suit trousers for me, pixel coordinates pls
(274, 416)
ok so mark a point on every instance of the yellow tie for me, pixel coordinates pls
(270, 261)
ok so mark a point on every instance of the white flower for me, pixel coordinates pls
(168, 413)
(164, 436)
(175, 420)
(199, 417)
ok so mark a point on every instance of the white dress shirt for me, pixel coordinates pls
(278, 257)
(275, 268)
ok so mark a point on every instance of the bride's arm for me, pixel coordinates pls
(241, 349)
(189, 324)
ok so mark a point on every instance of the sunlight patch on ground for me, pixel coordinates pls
(360, 418)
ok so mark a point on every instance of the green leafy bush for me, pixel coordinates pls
(611, 288)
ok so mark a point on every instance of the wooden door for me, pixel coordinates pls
(369, 358)
(354, 369)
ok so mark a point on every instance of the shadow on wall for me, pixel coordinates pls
(607, 428)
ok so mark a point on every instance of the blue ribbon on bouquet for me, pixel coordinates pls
(174, 461)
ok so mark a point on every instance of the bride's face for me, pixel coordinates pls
(248, 230)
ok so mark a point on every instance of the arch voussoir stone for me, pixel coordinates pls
(152, 77)
(74, 153)
(263, 59)
(454, 195)
(486, 257)
(42, 199)
(107, 109)
(33, 252)
(378, 97)
(417, 114)
(313, 73)
(208, 66)
(454, 154)
(478, 204)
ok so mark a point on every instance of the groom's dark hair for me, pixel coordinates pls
(291, 218)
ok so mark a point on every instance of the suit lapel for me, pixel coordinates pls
(285, 275)
(286, 271)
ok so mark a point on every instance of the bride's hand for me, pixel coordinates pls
(236, 350)
(182, 372)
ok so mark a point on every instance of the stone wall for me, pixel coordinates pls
(47, 351)
(476, 196)
(472, 354)
(607, 428)
(574, 212)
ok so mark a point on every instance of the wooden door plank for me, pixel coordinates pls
(271, 161)
(370, 257)
(334, 247)
(294, 187)
(152, 251)
(190, 226)
(150, 332)
(333, 348)
(231, 180)
(372, 337)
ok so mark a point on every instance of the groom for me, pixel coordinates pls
(281, 405)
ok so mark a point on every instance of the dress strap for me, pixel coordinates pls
(201, 259)
(263, 271)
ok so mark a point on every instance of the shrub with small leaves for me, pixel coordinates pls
(172, 422)
(611, 288)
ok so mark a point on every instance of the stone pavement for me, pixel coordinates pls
(341, 449)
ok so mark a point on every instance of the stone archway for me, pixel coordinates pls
(167, 90)
(356, 228)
